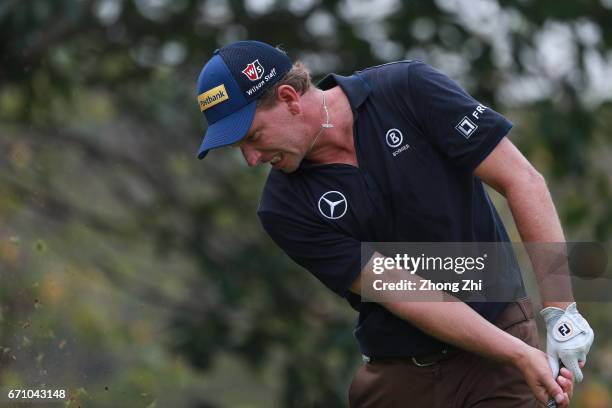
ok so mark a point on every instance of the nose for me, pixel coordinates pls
(251, 155)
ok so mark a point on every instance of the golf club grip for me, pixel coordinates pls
(551, 402)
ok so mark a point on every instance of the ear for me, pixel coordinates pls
(288, 95)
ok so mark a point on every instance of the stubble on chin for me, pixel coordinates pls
(290, 167)
(287, 169)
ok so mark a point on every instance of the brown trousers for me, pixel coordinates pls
(464, 380)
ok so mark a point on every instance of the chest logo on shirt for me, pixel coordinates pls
(394, 138)
(333, 205)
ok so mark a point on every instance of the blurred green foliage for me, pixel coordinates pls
(132, 274)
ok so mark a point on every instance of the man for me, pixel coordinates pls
(397, 153)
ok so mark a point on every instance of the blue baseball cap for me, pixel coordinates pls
(229, 85)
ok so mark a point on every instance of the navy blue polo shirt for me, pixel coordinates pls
(418, 138)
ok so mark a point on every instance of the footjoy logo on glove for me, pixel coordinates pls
(254, 70)
(564, 330)
(333, 205)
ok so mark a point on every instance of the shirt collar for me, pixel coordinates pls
(354, 86)
(356, 90)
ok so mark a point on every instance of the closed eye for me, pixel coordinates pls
(250, 138)
(253, 137)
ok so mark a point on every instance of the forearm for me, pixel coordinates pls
(538, 224)
(457, 324)
(510, 173)
(533, 210)
(444, 317)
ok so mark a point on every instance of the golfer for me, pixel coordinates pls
(397, 153)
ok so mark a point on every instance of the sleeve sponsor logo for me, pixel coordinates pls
(254, 71)
(212, 97)
(466, 127)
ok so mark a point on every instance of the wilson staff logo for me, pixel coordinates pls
(254, 70)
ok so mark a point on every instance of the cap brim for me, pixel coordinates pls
(228, 130)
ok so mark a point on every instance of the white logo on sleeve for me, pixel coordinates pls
(333, 205)
(394, 138)
(466, 127)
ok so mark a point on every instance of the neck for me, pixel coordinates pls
(333, 144)
(324, 126)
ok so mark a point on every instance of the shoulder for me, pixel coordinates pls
(285, 197)
(277, 193)
(389, 67)
(402, 79)
(396, 70)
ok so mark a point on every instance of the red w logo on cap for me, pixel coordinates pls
(254, 70)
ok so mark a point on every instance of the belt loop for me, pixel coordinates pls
(522, 303)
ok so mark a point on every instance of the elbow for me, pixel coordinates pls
(535, 180)
(530, 186)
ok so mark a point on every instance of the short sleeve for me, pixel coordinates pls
(465, 130)
(332, 257)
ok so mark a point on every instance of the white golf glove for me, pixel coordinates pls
(568, 338)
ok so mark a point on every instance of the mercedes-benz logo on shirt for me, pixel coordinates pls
(333, 205)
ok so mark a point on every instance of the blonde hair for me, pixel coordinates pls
(298, 77)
